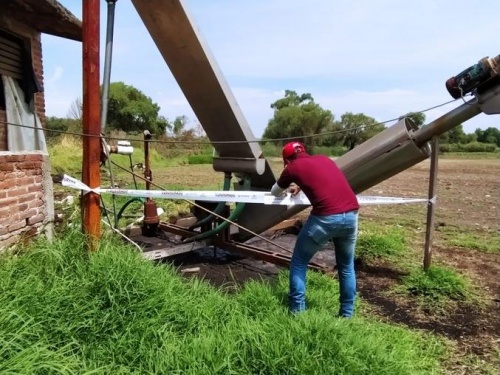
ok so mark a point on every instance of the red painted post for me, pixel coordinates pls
(91, 120)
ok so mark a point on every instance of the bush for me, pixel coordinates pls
(200, 159)
(375, 245)
(468, 147)
(437, 284)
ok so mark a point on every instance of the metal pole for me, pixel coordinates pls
(107, 62)
(91, 124)
(108, 55)
(431, 206)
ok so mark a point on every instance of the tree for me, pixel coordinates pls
(179, 125)
(298, 116)
(60, 125)
(76, 109)
(455, 135)
(132, 111)
(358, 128)
(489, 135)
(417, 117)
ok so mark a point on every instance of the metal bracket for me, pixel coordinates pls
(489, 102)
(239, 165)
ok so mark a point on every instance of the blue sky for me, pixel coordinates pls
(383, 58)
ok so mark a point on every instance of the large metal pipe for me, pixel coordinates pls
(205, 88)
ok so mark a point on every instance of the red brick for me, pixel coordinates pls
(7, 202)
(17, 192)
(15, 158)
(36, 203)
(38, 179)
(23, 207)
(28, 198)
(8, 184)
(35, 188)
(3, 194)
(6, 167)
(28, 213)
(36, 219)
(28, 180)
(20, 224)
(34, 157)
(4, 211)
(28, 165)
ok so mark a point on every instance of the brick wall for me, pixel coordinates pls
(23, 202)
(36, 55)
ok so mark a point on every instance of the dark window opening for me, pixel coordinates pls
(2, 95)
(15, 62)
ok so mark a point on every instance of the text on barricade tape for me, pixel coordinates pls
(260, 197)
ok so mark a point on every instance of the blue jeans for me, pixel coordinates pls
(342, 229)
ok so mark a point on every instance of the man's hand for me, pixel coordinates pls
(294, 189)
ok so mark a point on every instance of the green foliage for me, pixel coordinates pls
(66, 156)
(270, 150)
(132, 111)
(330, 151)
(200, 159)
(358, 128)
(375, 243)
(481, 241)
(456, 135)
(437, 284)
(65, 311)
(297, 116)
(489, 135)
(417, 117)
(469, 147)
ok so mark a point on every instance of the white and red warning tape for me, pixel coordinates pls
(260, 197)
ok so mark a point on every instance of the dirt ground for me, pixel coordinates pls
(468, 200)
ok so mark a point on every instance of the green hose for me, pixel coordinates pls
(218, 209)
(120, 213)
(232, 217)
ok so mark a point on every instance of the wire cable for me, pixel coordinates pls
(208, 142)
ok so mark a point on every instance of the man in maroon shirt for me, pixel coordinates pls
(334, 216)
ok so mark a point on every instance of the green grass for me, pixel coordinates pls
(63, 311)
(374, 242)
(200, 159)
(488, 242)
(437, 284)
(471, 155)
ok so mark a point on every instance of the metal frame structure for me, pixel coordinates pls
(238, 154)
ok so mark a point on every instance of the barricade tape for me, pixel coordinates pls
(260, 197)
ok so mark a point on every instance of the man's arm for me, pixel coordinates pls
(284, 180)
(276, 190)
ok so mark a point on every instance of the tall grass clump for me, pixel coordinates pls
(378, 243)
(65, 311)
(66, 155)
(437, 284)
(200, 159)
